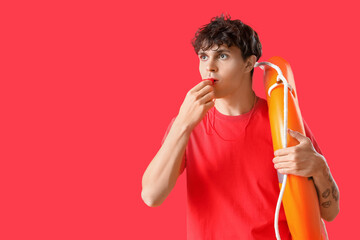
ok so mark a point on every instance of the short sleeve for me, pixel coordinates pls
(183, 162)
(309, 134)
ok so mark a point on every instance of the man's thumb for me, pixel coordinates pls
(298, 136)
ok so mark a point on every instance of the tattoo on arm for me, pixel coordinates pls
(335, 193)
(326, 193)
(326, 204)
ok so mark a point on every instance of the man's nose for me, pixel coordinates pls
(211, 66)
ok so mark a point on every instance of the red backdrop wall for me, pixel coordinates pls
(89, 87)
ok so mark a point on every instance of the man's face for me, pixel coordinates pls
(224, 64)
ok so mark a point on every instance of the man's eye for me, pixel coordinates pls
(203, 57)
(223, 56)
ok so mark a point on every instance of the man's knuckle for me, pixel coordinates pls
(196, 96)
(296, 165)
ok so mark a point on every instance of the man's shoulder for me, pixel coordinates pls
(262, 108)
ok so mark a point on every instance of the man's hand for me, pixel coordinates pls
(197, 102)
(301, 160)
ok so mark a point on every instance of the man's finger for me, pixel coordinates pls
(208, 97)
(201, 85)
(298, 136)
(286, 171)
(280, 159)
(284, 151)
(204, 91)
(283, 165)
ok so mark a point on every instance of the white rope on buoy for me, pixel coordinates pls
(280, 80)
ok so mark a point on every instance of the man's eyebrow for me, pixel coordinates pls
(223, 50)
(217, 50)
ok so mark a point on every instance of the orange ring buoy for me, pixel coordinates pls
(300, 199)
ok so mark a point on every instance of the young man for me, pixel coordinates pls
(226, 146)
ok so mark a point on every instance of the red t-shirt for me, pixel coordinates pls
(232, 185)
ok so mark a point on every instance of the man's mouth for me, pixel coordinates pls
(214, 80)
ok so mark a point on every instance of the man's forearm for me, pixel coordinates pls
(328, 193)
(161, 175)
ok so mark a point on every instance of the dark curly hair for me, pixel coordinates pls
(222, 30)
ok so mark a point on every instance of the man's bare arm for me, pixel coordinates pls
(161, 175)
(303, 160)
(328, 193)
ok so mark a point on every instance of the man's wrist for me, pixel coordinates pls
(182, 127)
(322, 170)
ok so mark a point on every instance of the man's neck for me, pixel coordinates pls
(240, 102)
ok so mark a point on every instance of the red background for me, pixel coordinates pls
(88, 89)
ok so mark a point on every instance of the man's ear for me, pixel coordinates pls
(249, 63)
